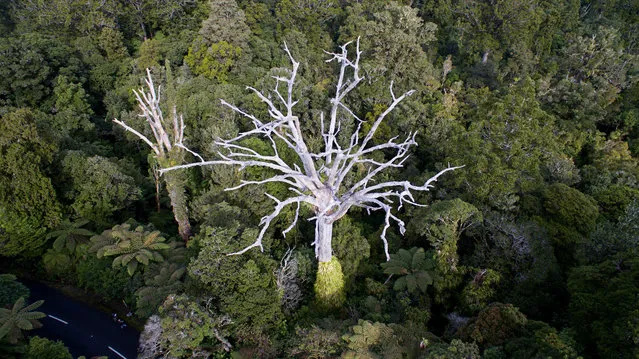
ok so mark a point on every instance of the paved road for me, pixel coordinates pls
(84, 330)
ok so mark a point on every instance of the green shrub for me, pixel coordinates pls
(11, 290)
(43, 348)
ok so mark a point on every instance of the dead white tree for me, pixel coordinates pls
(320, 181)
(167, 148)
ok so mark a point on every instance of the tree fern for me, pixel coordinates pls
(56, 262)
(163, 282)
(69, 235)
(20, 317)
(129, 247)
(414, 267)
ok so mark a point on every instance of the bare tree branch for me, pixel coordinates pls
(326, 194)
(266, 220)
(168, 145)
(141, 136)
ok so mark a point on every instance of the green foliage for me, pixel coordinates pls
(612, 164)
(188, 325)
(245, 287)
(72, 110)
(129, 247)
(394, 38)
(329, 285)
(223, 42)
(350, 246)
(20, 317)
(27, 198)
(226, 22)
(99, 276)
(308, 19)
(415, 268)
(610, 239)
(69, 234)
(97, 186)
(66, 16)
(603, 306)
(570, 214)
(28, 203)
(442, 224)
(541, 341)
(43, 348)
(57, 262)
(157, 286)
(494, 325)
(480, 290)
(30, 63)
(214, 62)
(20, 235)
(11, 290)
(374, 340)
(105, 56)
(538, 99)
(615, 199)
(508, 140)
(517, 35)
(457, 349)
(445, 221)
(316, 343)
(151, 51)
(523, 256)
(570, 207)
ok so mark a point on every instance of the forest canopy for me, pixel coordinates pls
(527, 249)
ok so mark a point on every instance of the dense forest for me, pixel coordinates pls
(526, 113)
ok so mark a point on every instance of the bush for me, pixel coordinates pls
(455, 350)
(98, 276)
(494, 325)
(43, 348)
(11, 290)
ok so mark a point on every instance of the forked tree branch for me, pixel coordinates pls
(149, 104)
(320, 181)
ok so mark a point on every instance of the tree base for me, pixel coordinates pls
(329, 285)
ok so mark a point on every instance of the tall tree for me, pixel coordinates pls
(99, 187)
(28, 201)
(223, 42)
(331, 181)
(167, 148)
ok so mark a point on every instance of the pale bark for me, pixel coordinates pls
(323, 239)
(167, 146)
(320, 183)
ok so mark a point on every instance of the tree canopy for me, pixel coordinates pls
(143, 141)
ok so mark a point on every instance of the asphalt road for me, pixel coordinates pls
(83, 329)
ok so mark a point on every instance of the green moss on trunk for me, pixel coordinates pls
(329, 285)
(175, 185)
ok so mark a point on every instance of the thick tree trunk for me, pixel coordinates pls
(323, 240)
(329, 284)
(177, 194)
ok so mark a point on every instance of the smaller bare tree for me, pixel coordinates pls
(167, 147)
(326, 181)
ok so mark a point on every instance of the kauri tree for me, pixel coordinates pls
(330, 181)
